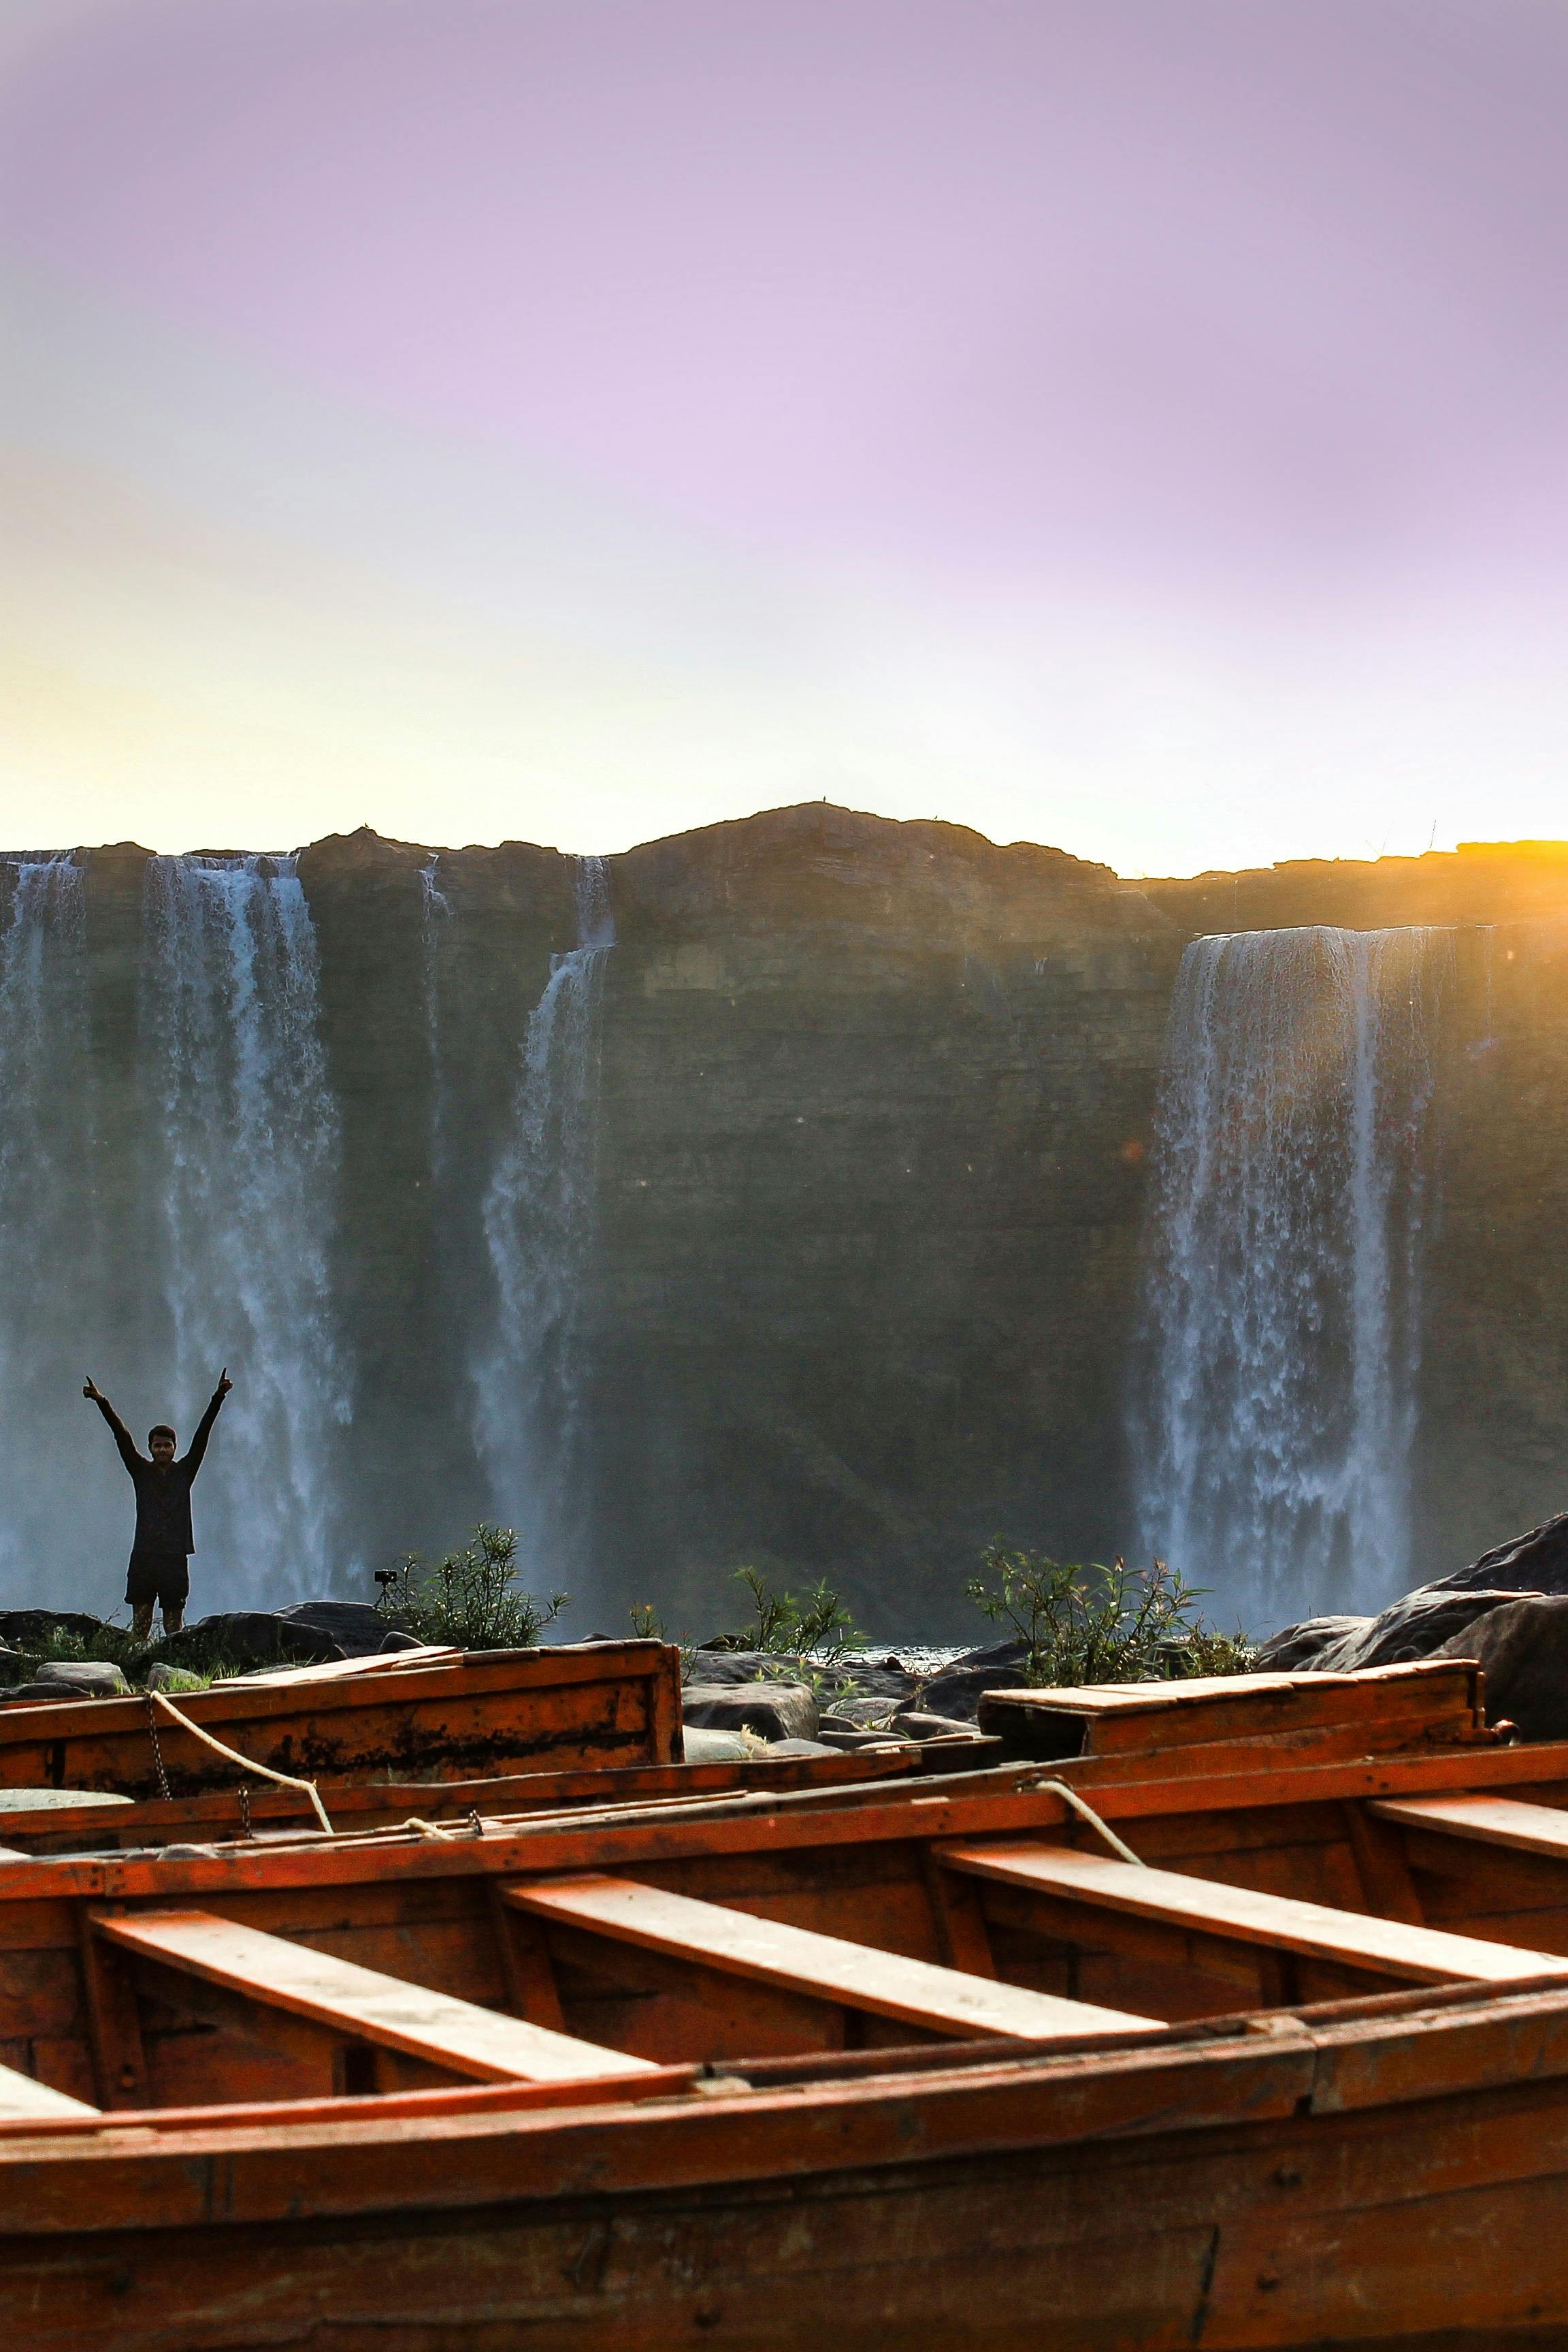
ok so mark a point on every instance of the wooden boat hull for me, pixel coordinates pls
(728, 2072)
(1305, 2198)
(497, 1712)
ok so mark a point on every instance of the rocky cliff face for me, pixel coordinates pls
(874, 1111)
(873, 1107)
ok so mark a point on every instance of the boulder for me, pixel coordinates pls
(359, 1630)
(30, 1629)
(172, 1679)
(1522, 1648)
(957, 1690)
(81, 1678)
(1299, 1648)
(248, 1638)
(717, 1746)
(772, 1711)
(916, 1723)
(1417, 1625)
(1536, 1562)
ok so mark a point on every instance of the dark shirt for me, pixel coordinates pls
(162, 1496)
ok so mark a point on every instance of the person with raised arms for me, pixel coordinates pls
(160, 1570)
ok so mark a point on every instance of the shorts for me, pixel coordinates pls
(161, 1576)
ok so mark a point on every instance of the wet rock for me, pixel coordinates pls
(1522, 1648)
(773, 1710)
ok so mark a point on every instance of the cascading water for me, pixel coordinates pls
(1275, 1398)
(538, 1227)
(244, 1147)
(435, 922)
(47, 1227)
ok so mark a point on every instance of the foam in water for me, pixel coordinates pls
(1275, 1395)
(243, 1142)
(539, 1213)
(48, 1234)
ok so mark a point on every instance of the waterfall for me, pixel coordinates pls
(47, 1227)
(436, 918)
(539, 1213)
(244, 1142)
(1275, 1399)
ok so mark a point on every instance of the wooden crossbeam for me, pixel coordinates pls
(829, 1967)
(1490, 1820)
(456, 2034)
(1388, 1946)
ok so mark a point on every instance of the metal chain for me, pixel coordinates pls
(245, 1809)
(157, 1750)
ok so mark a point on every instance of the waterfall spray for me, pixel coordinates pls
(243, 1138)
(1275, 1400)
(538, 1227)
(46, 1214)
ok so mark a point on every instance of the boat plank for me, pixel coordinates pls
(25, 2099)
(1392, 1947)
(800, 1960)
(436, 2026)
(1490, 1820)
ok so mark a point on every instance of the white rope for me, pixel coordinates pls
(282, 1779)
(1061, 1789)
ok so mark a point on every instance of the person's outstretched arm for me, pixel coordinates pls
(122, 1438)
(193, 1462)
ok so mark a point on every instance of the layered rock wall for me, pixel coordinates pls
(875, 1104)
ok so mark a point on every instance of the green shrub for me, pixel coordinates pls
(1089, 1623)
(790, 1624)
(470, 1598)
(190, 1651)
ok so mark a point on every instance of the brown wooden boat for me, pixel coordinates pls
(1104, 2050)
(42, 1822)
(432, 1715)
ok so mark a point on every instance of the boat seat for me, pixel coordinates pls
(23, 2100)
(1490, 1820)
(1204, 1905)
(829, 1967)
(459, 2036)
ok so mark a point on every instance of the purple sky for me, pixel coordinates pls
(1025, 343)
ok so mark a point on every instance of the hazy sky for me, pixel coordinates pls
(1137, 425)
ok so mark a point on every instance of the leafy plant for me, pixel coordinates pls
(816, 1623)
(470, 1598)
(647, 1625)
(1089, 1623)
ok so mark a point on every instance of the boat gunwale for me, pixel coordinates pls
(918, 1809)
(1263, 2067)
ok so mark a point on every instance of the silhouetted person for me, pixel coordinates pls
(160, 1567)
